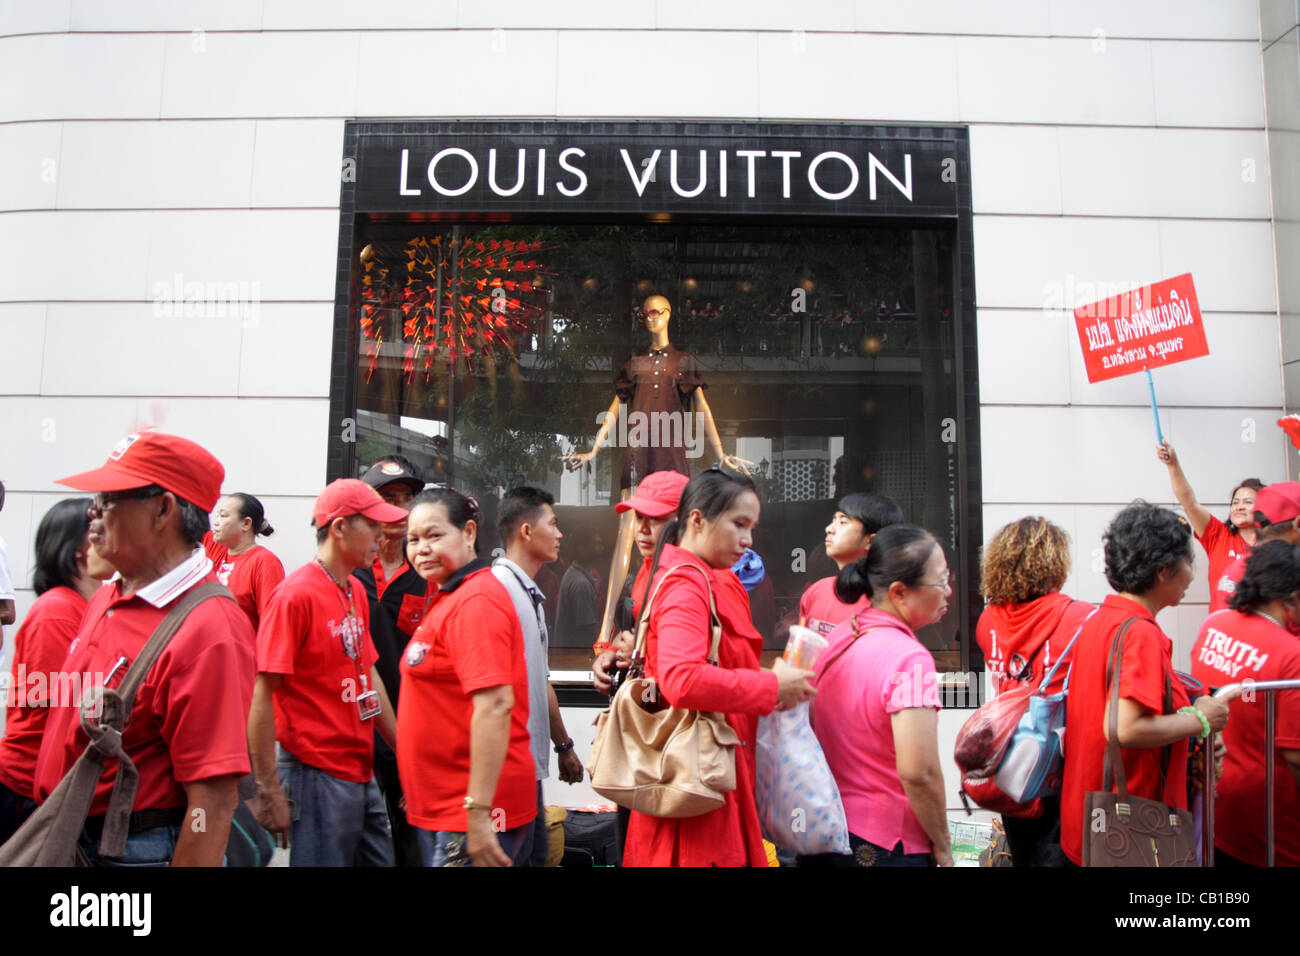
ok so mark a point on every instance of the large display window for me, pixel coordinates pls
(828, 354)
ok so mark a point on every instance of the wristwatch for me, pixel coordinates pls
(472, 804)
(564, 747)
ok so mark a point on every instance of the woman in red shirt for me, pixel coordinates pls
(463, 749)
(241, 564)
(1223, 542)
(1025, 628)
(1256, 641)
(714, 525)
(1149, 564)
(68, 572)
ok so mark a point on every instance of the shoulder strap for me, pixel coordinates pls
(643, 624)
(1047, 678)
(104, 715)
(1113, 768)
(1065, 609)
(858, 631)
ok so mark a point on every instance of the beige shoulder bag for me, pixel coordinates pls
(658, 760)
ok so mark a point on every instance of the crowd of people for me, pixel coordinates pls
(389, 702)
(1163, 717)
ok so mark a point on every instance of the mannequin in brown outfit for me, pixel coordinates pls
(661, 380)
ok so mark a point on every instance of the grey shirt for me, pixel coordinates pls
(528, 599)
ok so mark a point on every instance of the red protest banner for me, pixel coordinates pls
(1141, 329)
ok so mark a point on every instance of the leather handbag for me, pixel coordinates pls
(49, 836)
(1124, 830)
(659, 760)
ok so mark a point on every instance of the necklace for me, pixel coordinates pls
(1268, 616)
(345, 589)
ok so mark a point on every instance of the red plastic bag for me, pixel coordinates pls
(982, 744)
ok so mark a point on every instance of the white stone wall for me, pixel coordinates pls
(140, 141)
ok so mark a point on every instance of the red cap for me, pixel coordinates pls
(177, 464)
(1279, 501)
(657, 495)
(346, 497)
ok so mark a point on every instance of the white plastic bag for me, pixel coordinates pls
(798, 802)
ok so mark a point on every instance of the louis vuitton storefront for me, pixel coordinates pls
(819, 280)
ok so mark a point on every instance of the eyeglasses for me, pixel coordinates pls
(105, 500)
(945, 584)
(653, 313)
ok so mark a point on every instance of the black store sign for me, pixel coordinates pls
(658, 168)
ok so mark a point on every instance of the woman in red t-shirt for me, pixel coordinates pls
(1223, 543)
(463, 749)
(1257, 641)
(1025, 628)
(1149, 564)
(68, 572)
(714, 525)
(241, 564)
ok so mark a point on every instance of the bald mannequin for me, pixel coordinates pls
(656, 312)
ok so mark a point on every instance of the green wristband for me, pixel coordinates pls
(1205, 721)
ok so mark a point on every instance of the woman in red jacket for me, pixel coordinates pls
(714, 525)
(1026, 627)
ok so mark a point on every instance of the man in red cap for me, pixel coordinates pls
(318, 690)
(1277, 518)
(655, 504)
(186, 730)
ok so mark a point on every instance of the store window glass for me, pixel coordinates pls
(825, 355)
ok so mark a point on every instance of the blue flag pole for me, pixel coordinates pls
(1155, 409)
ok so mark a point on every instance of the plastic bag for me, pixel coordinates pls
(798, 802)
(982, 745)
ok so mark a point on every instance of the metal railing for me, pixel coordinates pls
(1231, 692)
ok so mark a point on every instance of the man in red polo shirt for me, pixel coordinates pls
(185, 733)
(1277, 518)
(318, 690)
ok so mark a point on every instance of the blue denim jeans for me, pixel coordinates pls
(335, 822)
(537, 843)
(153, 847)
(14, 809)
(447, 848)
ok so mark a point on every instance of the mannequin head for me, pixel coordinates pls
(656, 312)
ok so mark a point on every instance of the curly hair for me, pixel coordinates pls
(1023, 561)
(1141, 541)
(1272, 572)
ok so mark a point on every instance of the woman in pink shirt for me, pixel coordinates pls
(876, 712)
